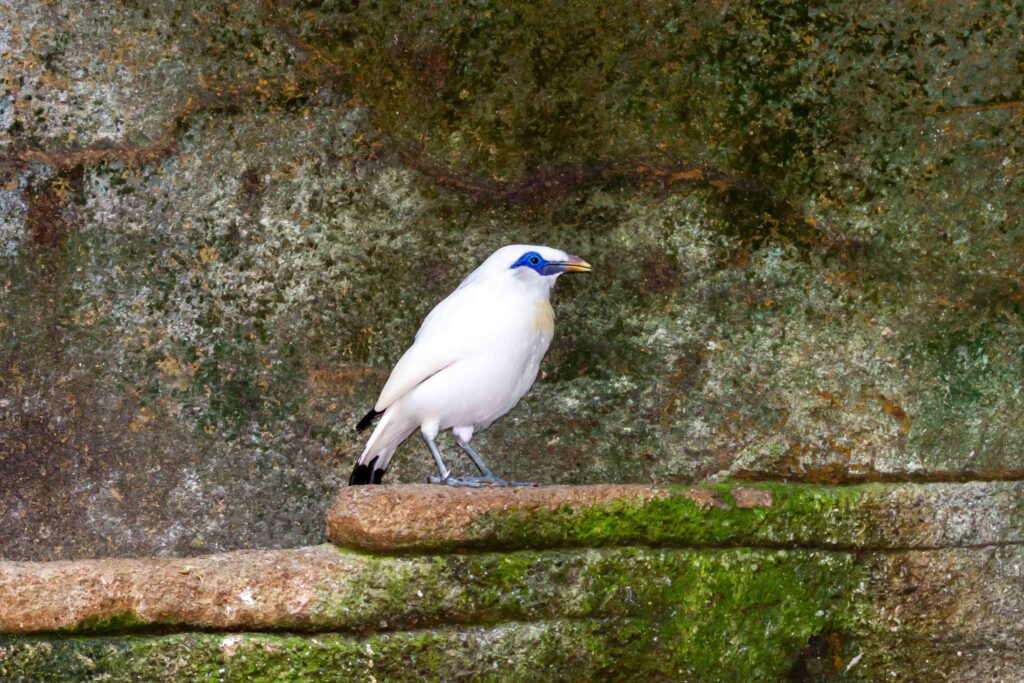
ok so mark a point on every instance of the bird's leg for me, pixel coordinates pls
(478, 461)
(444, 474)
(488, 477)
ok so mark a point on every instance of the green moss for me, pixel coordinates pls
(801, 515)
(125, 622)
(691, 611)
(677, 596)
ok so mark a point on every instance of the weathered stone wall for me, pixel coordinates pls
(222, 222)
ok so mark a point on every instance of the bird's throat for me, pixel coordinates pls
(544, 316)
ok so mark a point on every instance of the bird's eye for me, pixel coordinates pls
(534, 260)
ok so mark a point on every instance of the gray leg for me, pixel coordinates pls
(488, 478)
(477, 460)
(443, 472)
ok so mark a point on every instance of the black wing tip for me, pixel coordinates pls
(368, 419)
(366, 474)
(360, 476)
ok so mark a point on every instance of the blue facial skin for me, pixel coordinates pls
(535, 261)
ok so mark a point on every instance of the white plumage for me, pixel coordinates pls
(475, 355)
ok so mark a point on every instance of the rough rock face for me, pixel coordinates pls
(221, 223)
(705, 584)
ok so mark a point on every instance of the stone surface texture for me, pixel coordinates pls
(618, 580)
(416, 516)
(221, 224)
(796, 367)
(425, 517)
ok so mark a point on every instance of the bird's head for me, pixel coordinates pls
(530, 264)
(548, 262)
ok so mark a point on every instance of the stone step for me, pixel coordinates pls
(699, 583)
(750, 613)
(429, 518)
(581, 650)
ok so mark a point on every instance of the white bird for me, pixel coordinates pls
(475, 355)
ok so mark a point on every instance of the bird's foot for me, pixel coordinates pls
(477, 482)
(457, 481)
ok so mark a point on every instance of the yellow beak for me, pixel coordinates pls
(576, 265)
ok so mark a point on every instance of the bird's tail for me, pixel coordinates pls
(369, 473)
(380, 447)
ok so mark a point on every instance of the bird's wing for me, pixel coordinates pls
(455, 329)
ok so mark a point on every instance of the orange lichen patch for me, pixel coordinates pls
(139, 155)
(808, 464)
(341, 379)
(895, 411)
(691, 175)
(706, 499)
(752, 498)
(835, 650)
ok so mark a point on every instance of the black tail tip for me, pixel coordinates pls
(366, 474)
(368, 419)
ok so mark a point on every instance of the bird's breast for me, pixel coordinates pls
(544, 318)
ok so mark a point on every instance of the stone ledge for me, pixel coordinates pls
(713, 614)
(247, 589)
(534, 651)
(426, 518)
(708, 583)
(322, 588)
(584, 650)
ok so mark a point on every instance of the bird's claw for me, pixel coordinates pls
(477, 482)
(456, 481)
